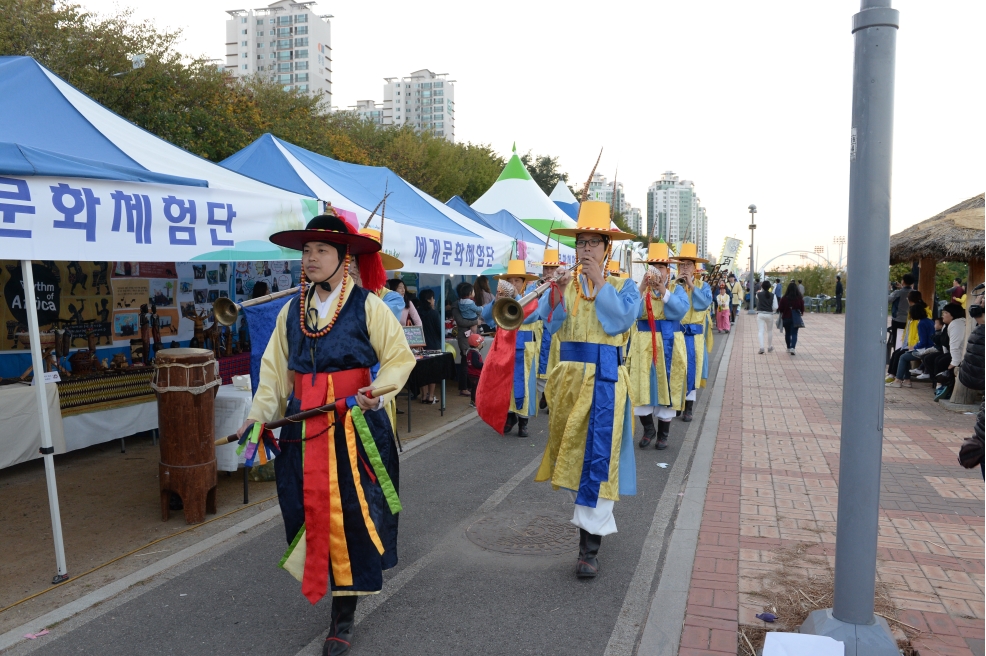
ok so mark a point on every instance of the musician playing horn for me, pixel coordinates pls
(548, 353)
(590, 445)
(337, 473)
(693, 323)
(657, 361)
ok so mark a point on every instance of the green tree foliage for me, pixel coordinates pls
(817, 279)
(544, 170)
(197, 105)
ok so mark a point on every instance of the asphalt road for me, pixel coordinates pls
(447, 595)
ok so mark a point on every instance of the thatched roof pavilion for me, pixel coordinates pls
(956, 235)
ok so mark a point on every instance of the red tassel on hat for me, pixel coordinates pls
(371, 271)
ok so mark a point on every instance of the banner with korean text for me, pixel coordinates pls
(729, 253)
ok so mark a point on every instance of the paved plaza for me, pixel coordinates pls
(773, 486)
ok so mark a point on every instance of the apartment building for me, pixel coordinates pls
(424, 100)
(677, 209)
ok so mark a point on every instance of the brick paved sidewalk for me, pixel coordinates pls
(773, 485)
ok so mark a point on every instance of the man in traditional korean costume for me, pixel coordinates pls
(337, 473)
(548, 352)
(590, 444)
(657, 361)
(693, 323)
(523, 401)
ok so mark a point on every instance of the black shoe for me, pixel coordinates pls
(522, 429)
(543, 403)
(649, 432)
(687, 414)
(663, 432)
(341, 630)
(588, 566)
(511, 421)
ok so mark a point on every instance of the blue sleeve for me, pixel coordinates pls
(557, 317)
(617, 310)
(926, 334)
(676, 307)
(701, 297)
(488, 313)
(395, 302)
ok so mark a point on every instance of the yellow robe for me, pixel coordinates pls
(531, 350)
(697, 317)
(640, 361)
(569, 393)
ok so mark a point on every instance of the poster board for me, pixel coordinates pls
(415, 336)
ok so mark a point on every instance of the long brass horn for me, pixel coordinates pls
(226, 310)
(508, 313)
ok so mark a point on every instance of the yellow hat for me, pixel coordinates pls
(689, 251)
(658, 254)
(516, 269)
(390, 263)
(594, 217)
(551, 258)
(613, 267)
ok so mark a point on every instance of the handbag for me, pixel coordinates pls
(796, 319)
(780, 322)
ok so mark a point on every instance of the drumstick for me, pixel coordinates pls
(308, 414)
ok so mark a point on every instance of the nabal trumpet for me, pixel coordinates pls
(226, 310)
(508, 313)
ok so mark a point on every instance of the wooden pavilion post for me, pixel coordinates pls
(926, 280)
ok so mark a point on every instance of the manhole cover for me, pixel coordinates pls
(525, 532)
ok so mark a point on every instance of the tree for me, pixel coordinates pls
(544, 170)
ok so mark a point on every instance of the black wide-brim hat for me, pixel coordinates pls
(327, 228)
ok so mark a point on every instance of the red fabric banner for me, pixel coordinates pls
(496, 380)
(314, 391)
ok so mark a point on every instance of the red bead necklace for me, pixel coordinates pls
(305, 287)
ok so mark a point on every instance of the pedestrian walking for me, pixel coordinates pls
(766, 304)
(801, 288)
(591, 315)
(657, 360)
(331, 491)
(722, 309)
(791, 308)
(839, 291)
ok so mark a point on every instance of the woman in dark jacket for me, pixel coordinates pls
(791, 301)
(431, 325)
(926, 340)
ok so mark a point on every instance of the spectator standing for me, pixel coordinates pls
(409, 315)
(801, 288)
(464, 290)
(766, 304)
(722, 309)
(431, 326)
(839, 291)
(926, 333)
(958, 291)
(791, 307)
(898, 318)
(778, 289)
(483, 293)
(735, 296)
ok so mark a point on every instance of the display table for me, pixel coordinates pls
(20, 423)
(89, 428)
(428, 370)
(232, 407)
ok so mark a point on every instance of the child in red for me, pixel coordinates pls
(474, 365)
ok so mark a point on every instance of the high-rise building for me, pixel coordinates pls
(601, 189)
(634, 220)
(286, 41)
(424, 100)
(673, 204)
(369, 110)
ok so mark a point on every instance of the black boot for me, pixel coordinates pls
(687, 414)
(663, 432)
(649, 433)
(543, 403)
(522, 429)
(587, 566)
(511, 421)
(341, 630)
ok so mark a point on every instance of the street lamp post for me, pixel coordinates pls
(841, 241)
(753, 280)
(851, 619)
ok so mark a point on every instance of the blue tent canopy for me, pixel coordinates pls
(503, 221)
(571, 209)
(16, 159)
(267, 159)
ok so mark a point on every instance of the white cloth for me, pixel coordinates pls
(661, 412)
(20, 423)
(323, 308)
(691, 395)
(90, 428)
(598, 520)
(956, 340)
(542, 382)
(765, 322)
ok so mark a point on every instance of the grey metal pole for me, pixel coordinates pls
(851, 619)
(753, 280)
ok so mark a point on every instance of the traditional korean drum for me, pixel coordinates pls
(186, 381)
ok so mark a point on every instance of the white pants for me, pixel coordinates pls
(598, 520)
(660, 412)
(690, 396)
(765, 324)
(541, 383)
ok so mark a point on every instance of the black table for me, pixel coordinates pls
(428, 370)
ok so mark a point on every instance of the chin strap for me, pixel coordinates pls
(324, 285)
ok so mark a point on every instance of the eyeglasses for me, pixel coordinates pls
(582, 243)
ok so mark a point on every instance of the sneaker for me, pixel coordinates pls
(895, 383)
(924, 377)
(770, 349)
(792, 351)
(761, 351)
(472, 405)
(889, 379)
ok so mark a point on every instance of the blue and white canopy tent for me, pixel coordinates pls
(563, 197)
(422, 232)
(78, 182)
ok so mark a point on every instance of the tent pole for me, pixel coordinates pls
(443, 337)
(46, 447)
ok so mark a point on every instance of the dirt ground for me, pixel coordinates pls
(110, 506)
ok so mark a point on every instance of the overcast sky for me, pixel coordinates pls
(750, 100)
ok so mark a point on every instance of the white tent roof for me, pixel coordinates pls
(562, 194)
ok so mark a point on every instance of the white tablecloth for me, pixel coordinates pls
(89, 428)
(232, 406)
(20, 423)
